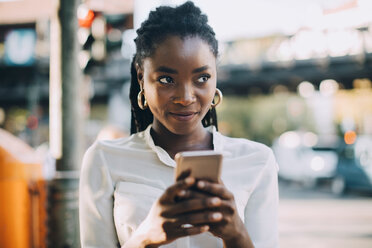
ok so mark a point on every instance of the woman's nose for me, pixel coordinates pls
(185, 95)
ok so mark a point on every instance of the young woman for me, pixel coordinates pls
(128, 197)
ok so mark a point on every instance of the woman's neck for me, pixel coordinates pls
(172, 143)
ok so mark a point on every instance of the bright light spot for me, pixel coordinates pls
(290, 139)
(128, 47)
(328, 87)
(82, 11)
(309, 44)
(317, 163)
(285, 51)
(310, 139)
(83, 58)
(99, 28)
(85, 16)
(305, 89)
(82, 35)
(343, 42)
(350, 137)
(98, 50)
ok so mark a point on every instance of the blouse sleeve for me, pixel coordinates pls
(261, 211)
(96, 202)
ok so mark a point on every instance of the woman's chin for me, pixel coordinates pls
(182, 128)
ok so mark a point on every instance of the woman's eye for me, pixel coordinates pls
(165, 80)
(203, 79)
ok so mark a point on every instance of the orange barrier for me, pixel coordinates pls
(22, 203)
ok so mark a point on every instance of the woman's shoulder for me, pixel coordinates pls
(117, 149)
(134, 141)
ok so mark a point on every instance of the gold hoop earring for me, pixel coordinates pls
(143, 105)
(220, 97)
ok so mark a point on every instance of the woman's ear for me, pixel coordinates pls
(139, 75)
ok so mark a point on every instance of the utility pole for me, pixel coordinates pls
(65, 126)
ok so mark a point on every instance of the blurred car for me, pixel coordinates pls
(305, 157)
(354, 169)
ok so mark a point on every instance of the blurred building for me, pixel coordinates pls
(322, 40)
(264, 44)
(24, 59)
(332, 40)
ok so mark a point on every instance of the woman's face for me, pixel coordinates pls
(179, 82)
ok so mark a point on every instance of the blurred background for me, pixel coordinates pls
(296, 75)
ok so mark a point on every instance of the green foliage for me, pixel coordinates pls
(262, 118)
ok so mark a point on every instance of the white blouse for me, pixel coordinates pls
(121, 179)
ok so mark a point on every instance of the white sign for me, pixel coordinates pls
(20, 47)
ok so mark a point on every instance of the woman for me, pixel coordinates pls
(128, 197)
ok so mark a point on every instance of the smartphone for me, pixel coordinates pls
(202, 164)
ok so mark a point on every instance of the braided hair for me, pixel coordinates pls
(183, 21)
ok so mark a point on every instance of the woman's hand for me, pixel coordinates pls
(229, 226)
(176, 214)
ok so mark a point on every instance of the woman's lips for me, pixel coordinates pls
(183, 116)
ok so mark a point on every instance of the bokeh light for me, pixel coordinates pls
(85, 16)
(350, 137)
(310, 139)
(290, 139)
(306, 89)
(317, 163)
(328, 87)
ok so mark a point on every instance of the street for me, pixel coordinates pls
(318, 219)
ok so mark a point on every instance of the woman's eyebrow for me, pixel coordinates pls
(166, 70)
(200, 69)
(173, 71)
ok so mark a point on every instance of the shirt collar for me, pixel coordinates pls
(164, 156)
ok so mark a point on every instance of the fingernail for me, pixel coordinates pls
(201, 184)
(217, 216)
(215, 201)
(182, 193)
